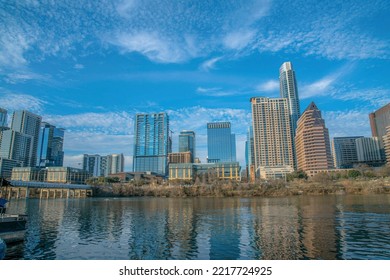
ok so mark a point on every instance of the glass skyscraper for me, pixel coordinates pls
(221, 143)
(187, 142)
(151, 143)
(3, 118)
(50, 146)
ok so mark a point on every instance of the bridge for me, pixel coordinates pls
(30, 189)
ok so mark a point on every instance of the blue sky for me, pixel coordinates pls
(90, 66)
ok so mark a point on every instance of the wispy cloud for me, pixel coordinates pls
(210, 64)
(325, 85)
(16, 101)
(78, 66)
(357, 120)
(24, 76)
(268, 86)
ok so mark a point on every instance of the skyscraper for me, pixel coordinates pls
(272, 135)
(50, 146)
(151, 143)
(386, 143)
(221, 143)
(344, 151)
(29, 124)
(312, 141)
(3, 118)
(187, 142)
(379, 120)
(289, 90)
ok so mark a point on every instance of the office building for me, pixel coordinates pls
(152, 143)
(379, 120)
(368, 150)
(187, 142)
(27, 123)
(50, 150)
(312, 141)
(272, 139)
(289, 90)
(344, 151)
(221, 143)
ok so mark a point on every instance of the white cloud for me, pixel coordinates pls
(377, 97)
(239, 39)
(215, 92)
(109, 123)
(209, 64)
(357, 120)
(21, 77)
(16, 101)
(325, 85)
(268, 86)
(153, 46)
(78, 66)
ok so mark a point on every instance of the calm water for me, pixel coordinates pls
(316, 227)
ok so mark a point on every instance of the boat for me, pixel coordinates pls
(12, 226)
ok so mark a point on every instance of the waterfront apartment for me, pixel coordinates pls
(272, 138)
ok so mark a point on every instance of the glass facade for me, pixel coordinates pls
(50, 146)
(3, 118)
(151, 143)
(187, 142)
(221, 143)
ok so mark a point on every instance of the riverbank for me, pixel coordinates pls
(276, 188)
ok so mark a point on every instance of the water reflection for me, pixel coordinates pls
(316, 227)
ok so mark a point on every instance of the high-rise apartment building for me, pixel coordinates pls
(96, 165)
(102, 166)
(221, 143)
(289, 90)
(17, 146)
(151, 143)
(272, 135)
(344, 151)
(386, 143)
(115, 163)
(368, 150)
(379, 120)
(312, 141)
(187, 143)
(29, 124)
(50, 146)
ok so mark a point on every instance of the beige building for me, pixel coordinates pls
(312, 141)
(181, 157)
(386, 141)
(272, 138)
(219, 170)
(379, 120)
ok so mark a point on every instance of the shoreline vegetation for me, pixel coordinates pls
(349, 182)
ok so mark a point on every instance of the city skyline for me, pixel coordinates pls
(90, 68)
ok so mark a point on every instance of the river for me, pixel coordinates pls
(298, 227)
